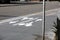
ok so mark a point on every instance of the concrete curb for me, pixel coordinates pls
(8, 5)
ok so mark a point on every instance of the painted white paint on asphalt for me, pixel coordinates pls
(25, 21)
(38, 13)
(28, 24)
(38, 20)
(21, 23)
(11, 22)
(24, 18)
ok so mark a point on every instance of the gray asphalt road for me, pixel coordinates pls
(25, 27)
(26, 9)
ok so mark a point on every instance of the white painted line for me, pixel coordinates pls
(20, 24)
(11, 22)
(11, 19)
(24, 18)
(15, 18)
(38, 20)
(29, 24)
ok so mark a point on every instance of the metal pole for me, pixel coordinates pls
(43, 22)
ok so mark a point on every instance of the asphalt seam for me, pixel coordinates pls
(53, 11)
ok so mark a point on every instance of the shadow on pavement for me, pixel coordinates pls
(6, 16)
(2, 17)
